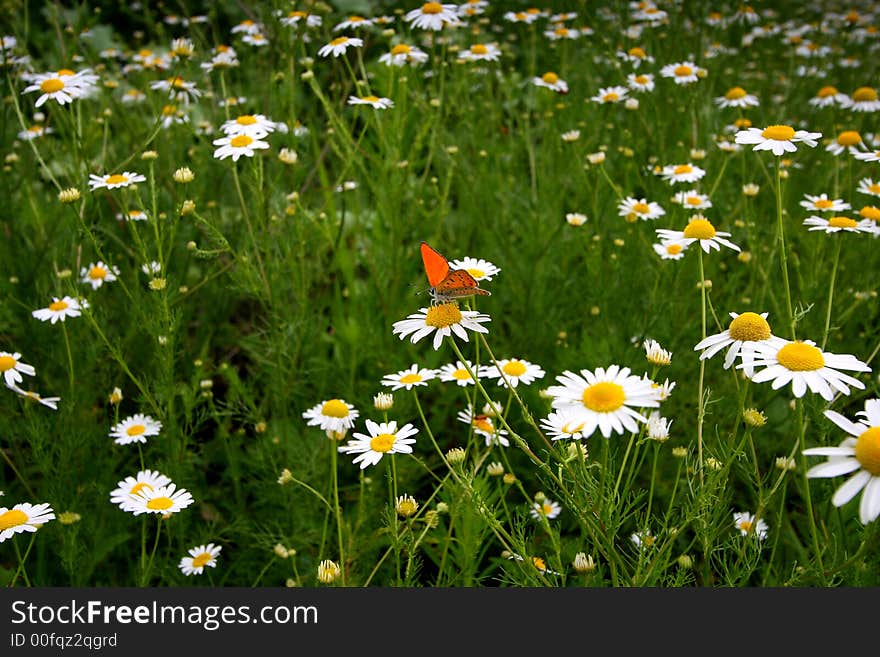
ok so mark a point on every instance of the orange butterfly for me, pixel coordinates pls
(447, 284)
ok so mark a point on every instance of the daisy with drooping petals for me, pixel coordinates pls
(433, 16)
(563, 424)
(699, 229)
(481, 270)
(96, 274)
(408, 378)
(828, 96)
(444, 319)
(62, 86)
(383, 438)
(656, 354)
(24, 517)
(551, 80)
(632, 209)
(839, 223)
(339, 45)
(403, 54)
(373, 101)
(677, 173)
(848, 141)
(353, 22)
(741, 335)
(737, 97)
(748, 525)
(512, 371)
(604, 399)
(681, 72)
(200, 557)
(868, 156)
(869, 187)
(778, 139)
(458, 372)
(858, 453)
(822, 203)
(61, 309)
(545, 509)
(863, 99)
(48, 402)
(335, 415)
(12, 368)
(114, 180)
(657, 427)
(802, 364)
(135, 429)
(236, 146)
(131, 486)
(163, 500)
(484, 425)
(610, 95)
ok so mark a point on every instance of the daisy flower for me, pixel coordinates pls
(838, 223)
(60, 309)
(641, 82)
(802, 364)
(433, 16)
(560, 32)
(458, 372)
(512, 371)
(24, 517)
(34, 132)
(481, 270)
(822, 203)
(676, 173)
(858, 453)
(564, 424)
(335, 415)
(115, 180)
(669, 249)
(339, 45)
(403, 54)
(656, 354)
(132, 215)
(657, 427)
(247, 26)
(632, 208)
(681, 72)
(488, 52)
(868, 186)
(742, 335)
(408, 378)
(12, 368)
(135, 429)
(62, 86)
(252, 125)
(692, 200)
(608, 95)
(848, 141)
(200, 557)
(178, 89)
(122, 495)
(576, 218)
(746, 523)
(737, 97)
(604, 398)
(373, 101)
(483, 425)
(868, 156)
(238, 145)
(96, 274)
(699, 229)
(294, 18)
(546, 509)
(383, 438)
(828, 96)
(635, 56)
(777, 139)
(353, 22)
(643, 539)
(526, 17)
(49, 402)
(164, 500)
(551, 81)
(443, 320)
(863, 99)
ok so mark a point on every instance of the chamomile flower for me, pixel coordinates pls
(60, 309)
(635, 56)
(699, 229)
(485, 52)
(484, 425)
(481, 270)
(679, 173)
(669, 249)
(48, 402)
(778, 139)
(115, 180)
(62, 86)
(848, 141)
(642, 82)
(863, 99)
(179, 90)
(656, 354)
(657, 427)
(24, 517)
(737, 97)
(643, 539)
(34, 132)
(97, 273)
(339, 45)
(839, 223)
(442, 320)
(12, 368)
(527, 17)
(560, 32)
(564, 424)
(247, 26)
(576, 218)
(869, 186)
(692, 200)
(353, 22)
(403, 54)
(332, 415)
(604, 398)
(383, 438)
(433, 16)
(252, 125)
(127, 488)
(409, 378)
(236, 146)
(458, 372)
(805, 366)
(632, 208)
(681, 72)
(512, 371)
(748, 525)
(132, 215)
(828, 96)
(135, 429)
(611, 95)
(858, 453)
(868, 156)
(551, 80)
(373, 101)
(545, 509)
(744, 332)
(296, 18)
(200, 557)
(822, 203)
(164, 500)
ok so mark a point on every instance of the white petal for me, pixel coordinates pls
(834, 468)
(850, 488)
(869, 508)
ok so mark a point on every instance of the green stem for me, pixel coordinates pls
(336, 508)
(837, 248)
(783, 253)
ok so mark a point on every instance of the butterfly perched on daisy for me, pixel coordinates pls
(447, 284)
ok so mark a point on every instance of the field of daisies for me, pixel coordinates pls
(490, 294)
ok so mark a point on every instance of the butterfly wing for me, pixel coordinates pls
(458, 283)
(436, 266)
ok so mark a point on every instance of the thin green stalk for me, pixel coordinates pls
(21, 559)
(783, 253)
(337, 511)
(701, 407)
(837, 247)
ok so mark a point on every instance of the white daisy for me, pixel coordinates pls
(63, 86)
(677, 173)
(487, 52)
(564, 424)
(848, 141)
(12, 368)
(135, 429)
(859, 453)
(60, 309)
(737, 97)
(641, 82)
(692, 200)
(383, 438)
(576, 218)
(335, 415)
(747, 525)
(635, 56)
(632, 208)
(443, 320)
(604, 398)
(546, 509)
(353, 22)
(24, 517)
(373, 101)
(828, 96)
(339, 45)
(839, 223)
(481, 270)
(512, 371)
(699, 229)
(403, 54)
(34, 132)
(130, 486)
(238, 145)
(670, 249)
(408, 378)
(657, 427)
(294, 18)
(805, 366)
(200, 557)
(163, 500)
(868, 186)
(96, 274)
(778, 139)
(114, 180)
(868, 156)
(247, 26)
(863, 99)
(822, 203)
(252, 125)
(551, 80)
(611, 95)
(49, 402)
(560, 32)
(656, 354)
(681, 72)
(433, 16)
(458, 373)
(483, 425)
(179, 90)
(741, 335)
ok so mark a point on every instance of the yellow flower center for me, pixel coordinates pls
(355, 19)
(778, 132)
(682, 168)
(867, 453)
(842, 222)
(694, 200)
(683, 71)
(874, 188)
(745, 525)
(546, 508)
(476, 273)
(297, 14)
(864, 94)
(412, 377)
(443, 315)
(539, 563)
(160, 503)
(51, 85)
(637, 52)
(246, 119)
(116, 179)
(144, 53)
(572, 428)
(97, 272)
(870, 212)
(700, 229)
(12, 518)
(849, 138)
(823, 203)
(432, 8)
(641, 208)
(800, 357)
(240, 141)
(604, 397)
(338, 41)
(138, 487)
(749, 327)
(334, 408)
(201, 560)
(561, 31)
(743, 123)
(58, 306)
(7, 363)
(400, 49)
(642, 79)
(370, 99)
(824, 92)
(735, 93)
(479, 49)
(610, 97)
(461, 375)
(674, 248)
(168, 110)
(482, 423)
(383, 442)
(550, 77)
(514, 368)
(65, 71)
(178, 82)
(136, 430)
